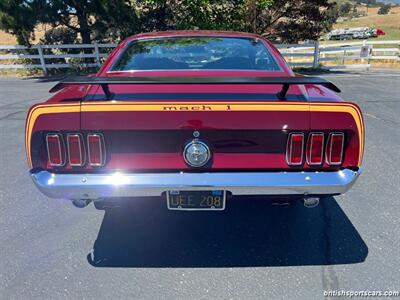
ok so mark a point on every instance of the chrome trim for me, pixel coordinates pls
(83, 161)
(289, 153)
(329, 161)
(308, 153)
(102, 149)
(60, 141)
(95, 186)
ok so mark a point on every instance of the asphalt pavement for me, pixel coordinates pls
(52, 250)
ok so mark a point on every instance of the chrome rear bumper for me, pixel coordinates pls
(95, 186)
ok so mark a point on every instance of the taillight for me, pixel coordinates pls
(55, 149)
(315, 148)
(96, 149)
(334, 148)
(76, 150)
(294, 149)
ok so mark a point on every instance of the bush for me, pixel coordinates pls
(345, 9)
(59, 35)
(384, 9)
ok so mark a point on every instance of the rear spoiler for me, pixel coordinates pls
(104, 82)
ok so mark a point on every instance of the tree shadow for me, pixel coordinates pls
(249, 233)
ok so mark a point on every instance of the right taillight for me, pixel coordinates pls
(96, 149)
(55, 149)
(294, 149)
(334, 148)
(315, 148)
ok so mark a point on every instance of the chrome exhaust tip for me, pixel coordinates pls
(310, 202)
(81, 203)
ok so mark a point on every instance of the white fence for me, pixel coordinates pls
(309, 55)
(53, 56)
(336, 55)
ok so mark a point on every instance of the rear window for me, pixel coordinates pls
(194, 53)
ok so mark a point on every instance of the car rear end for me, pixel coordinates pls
(196, 144)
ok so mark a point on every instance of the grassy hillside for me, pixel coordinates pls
(8, 39)
(389, 23)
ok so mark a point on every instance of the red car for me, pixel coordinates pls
(196, 117)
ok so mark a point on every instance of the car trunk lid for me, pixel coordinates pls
(147, 127)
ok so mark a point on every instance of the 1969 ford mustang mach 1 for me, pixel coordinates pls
(196, 117)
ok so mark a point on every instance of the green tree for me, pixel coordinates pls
(100, 20)
(92, 19)
(291, 21)
(384, 9)
(345, 8)
(288, 20)
(59, 35)
(19, 18)
(189, 14)
(253, 12)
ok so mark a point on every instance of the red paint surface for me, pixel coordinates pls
(183, 120)
(341, 122)
(195, 120)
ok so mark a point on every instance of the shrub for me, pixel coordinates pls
(59, 35)
(384, 9)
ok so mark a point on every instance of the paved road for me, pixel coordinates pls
(252, 251)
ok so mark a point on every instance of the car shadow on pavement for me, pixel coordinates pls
(249, 233)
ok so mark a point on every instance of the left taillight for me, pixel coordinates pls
(294, 149)
(78, 151)
(55, 149)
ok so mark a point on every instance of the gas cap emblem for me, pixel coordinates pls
(196, 153)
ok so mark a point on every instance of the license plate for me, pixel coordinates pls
(196, 200)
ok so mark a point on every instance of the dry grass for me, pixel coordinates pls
(20, 73)
(9, 39)
(381, 64)
(389, 23)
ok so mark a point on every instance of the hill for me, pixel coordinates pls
(389, 23)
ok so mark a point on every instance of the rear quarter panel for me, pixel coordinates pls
(342, 117)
